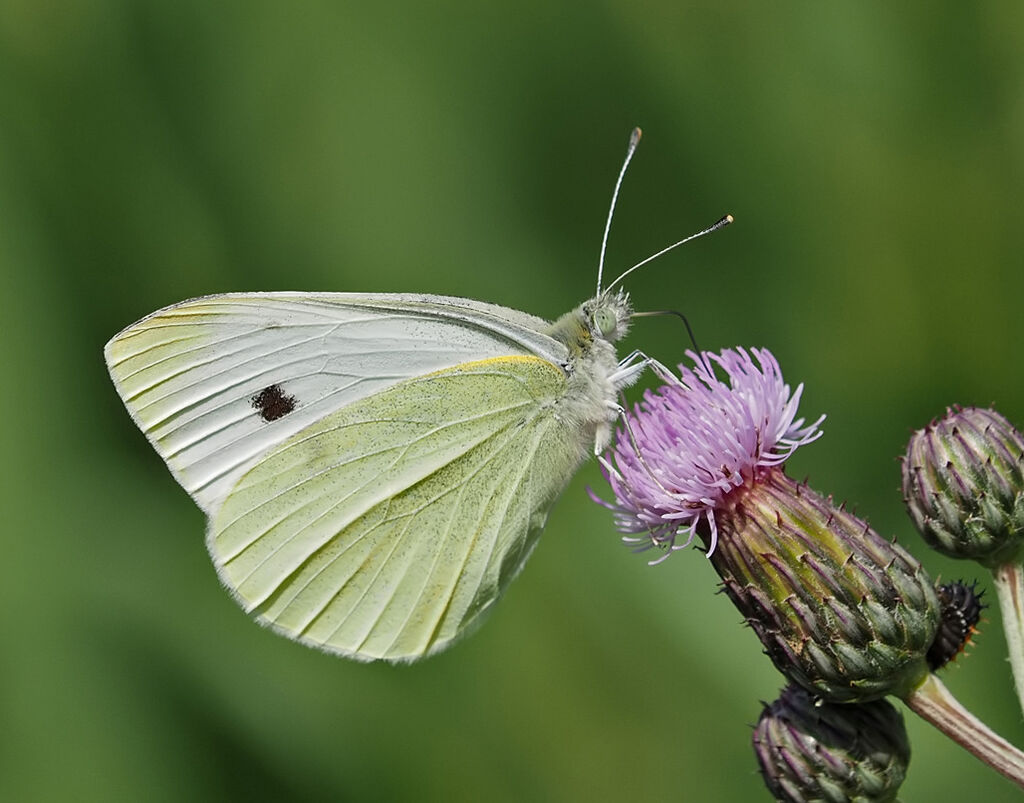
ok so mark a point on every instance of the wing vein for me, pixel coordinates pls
(471, 543)
(490, 553)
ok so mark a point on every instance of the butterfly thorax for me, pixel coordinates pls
(589, 332)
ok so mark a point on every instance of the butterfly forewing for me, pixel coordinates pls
(217, 383)
(385, 528)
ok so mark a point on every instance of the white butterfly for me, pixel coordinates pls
(375, 468)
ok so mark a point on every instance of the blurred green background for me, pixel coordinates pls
(154, 151)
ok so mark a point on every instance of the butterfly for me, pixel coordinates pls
(375, 468)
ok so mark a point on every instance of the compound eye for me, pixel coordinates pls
(606, 321)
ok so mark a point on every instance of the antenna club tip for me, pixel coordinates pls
(634, 136)
(727, 220)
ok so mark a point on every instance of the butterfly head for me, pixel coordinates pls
(608, 316)
(602, 319)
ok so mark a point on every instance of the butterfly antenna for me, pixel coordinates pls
(634, 140)
(718, 224)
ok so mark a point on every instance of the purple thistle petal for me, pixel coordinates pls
(697, 438)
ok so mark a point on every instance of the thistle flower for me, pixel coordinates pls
(839, 610)
(812, 751)
(696, 439)
(963, 483)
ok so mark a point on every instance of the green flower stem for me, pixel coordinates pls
(1009, 582)
(933, 702)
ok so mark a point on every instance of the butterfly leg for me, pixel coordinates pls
(630, 368)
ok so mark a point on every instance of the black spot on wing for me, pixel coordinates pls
(272, 403)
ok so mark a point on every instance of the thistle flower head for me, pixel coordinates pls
(696, 439)
(840, 610)
(813, 751)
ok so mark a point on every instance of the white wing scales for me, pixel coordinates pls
(190, 374)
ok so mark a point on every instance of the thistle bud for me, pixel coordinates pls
(839, 609)
(963, 484)
(822, 752)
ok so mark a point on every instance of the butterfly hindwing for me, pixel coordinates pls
(384, 529)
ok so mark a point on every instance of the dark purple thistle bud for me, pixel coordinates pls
(963, 483)
(839, 610)
(961, 611)
(829, 753)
